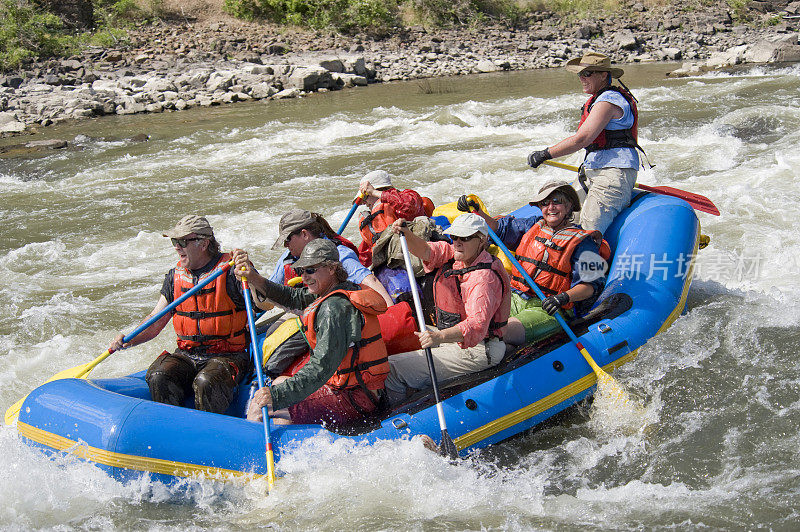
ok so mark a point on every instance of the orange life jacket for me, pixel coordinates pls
(613, 138)
(288, 267)
(366, 363)
(449, 302)
(209, 320)
(380, 217)
(546, 256)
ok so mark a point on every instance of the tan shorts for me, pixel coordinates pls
(609, 193)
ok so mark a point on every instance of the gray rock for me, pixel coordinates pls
(484, 65)
(625, 40)
(287, 93)
(10, 124)
(262, 90)
(332, 65)
(52, 144)
(310, 78)
(349, 80)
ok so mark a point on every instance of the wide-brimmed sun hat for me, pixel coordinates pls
(593, 62)
(557, 186)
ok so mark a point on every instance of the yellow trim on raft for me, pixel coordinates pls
(128, 461)
(534, 409)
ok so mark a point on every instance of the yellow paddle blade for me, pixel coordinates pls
(77, 372)
(613, 409)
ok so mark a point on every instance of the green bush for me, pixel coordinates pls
(26, 32)
(342, 15)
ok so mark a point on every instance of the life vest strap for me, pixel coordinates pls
(200, 292)
(541, 266)
(549, 243)
(205, 337)
(199, 315)
(462, 271)
(367, 220)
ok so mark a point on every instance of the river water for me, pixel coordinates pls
(82, 257)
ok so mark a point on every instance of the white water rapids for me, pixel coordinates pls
(82, 257)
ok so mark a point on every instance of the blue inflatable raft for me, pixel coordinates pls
(114, 424)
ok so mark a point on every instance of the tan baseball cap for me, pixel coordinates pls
(378, 179)
(292, 221)
(191, 224)
(593, 62)
(317, 251)
(561, 186)
(467, 225)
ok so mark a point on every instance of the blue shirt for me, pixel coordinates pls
(356, 272)
(511, 229)
(614, 157)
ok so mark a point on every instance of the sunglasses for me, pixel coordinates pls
(286, 242)
(310, 271)
(551, 201)
(183, 242)
(587, 74)
(463, 238)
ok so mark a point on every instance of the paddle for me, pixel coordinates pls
(356, 202)
(447, 447)
(82, 371)
(604, 381)
(260, 374)
(697, 201)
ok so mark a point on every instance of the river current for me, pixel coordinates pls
(82, 257)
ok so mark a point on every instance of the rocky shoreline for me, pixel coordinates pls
(184, 64)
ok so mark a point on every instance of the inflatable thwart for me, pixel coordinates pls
(114, 423)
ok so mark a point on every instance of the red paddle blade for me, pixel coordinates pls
(697, 201)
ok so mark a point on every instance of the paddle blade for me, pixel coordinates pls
(697, 201)
(72, 373)
(448, 446)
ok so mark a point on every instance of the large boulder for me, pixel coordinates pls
(10, 124)
(310, 78)
(783, 48)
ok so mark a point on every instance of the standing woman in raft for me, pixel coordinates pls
(608, 130)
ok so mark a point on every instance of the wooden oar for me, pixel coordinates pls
(448, 446)
(697, 201)
(82, 371)
(260, 374)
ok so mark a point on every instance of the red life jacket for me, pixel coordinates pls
(449, 303)
(366, 363)
(613, 138)
(546, 256)
(288, 267)
(209, 320)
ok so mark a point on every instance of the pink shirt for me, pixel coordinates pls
(481, 291)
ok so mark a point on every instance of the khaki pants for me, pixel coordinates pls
(410, 370)
(609, 192)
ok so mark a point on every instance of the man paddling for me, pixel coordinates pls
(211, 358)
(343, 380)
(608, 130)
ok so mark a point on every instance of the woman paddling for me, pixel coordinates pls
(564, 260)
(608, 130)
